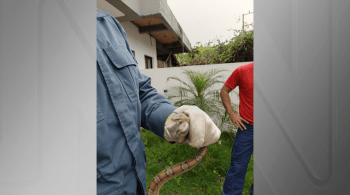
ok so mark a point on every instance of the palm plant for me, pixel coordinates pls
(201, 92)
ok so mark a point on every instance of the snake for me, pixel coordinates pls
(167, 174)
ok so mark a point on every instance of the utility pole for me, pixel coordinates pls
(243, 18)
(243, 21)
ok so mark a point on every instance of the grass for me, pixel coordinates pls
(205, 178)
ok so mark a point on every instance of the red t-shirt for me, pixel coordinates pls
(243, 77)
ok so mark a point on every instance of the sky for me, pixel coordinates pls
(204, 20)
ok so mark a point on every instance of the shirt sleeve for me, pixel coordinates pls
(155, 108)
(233, 81)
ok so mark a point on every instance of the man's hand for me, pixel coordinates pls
(235, 118)
(238, 121)
(189, 124)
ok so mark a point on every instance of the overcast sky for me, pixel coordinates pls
(204, 20)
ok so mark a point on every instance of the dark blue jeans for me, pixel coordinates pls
(241, 152)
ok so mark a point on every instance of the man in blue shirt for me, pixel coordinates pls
(125, 102)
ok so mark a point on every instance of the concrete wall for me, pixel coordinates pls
(107, 7)
(141, 44)
(135, 5)
(150, 7)
(159, 76)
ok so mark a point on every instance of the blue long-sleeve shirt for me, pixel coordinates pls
(125, 102)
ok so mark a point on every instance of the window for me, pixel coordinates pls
(148, 62)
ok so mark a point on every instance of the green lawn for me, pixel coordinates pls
(205, 178)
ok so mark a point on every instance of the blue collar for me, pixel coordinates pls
(101, 13)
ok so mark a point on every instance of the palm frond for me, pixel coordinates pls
(199, 90)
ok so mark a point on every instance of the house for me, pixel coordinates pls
(154, 34)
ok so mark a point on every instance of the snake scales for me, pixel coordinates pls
(174, 171)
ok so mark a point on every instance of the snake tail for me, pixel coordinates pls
(161, 178)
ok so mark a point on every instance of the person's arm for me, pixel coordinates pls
(155, 108)
(224, 94)
(231, 83)
(235, 118)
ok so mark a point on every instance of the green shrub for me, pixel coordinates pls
(238, 49)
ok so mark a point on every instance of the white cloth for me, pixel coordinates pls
(189, 124)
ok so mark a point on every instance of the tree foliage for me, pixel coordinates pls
(238, 49)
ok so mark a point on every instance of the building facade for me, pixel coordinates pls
(154, 34)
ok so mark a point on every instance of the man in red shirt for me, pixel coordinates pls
(243, 144)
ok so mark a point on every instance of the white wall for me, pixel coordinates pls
(159, 76)
(141, 44)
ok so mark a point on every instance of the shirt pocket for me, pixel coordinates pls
(125, 69)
